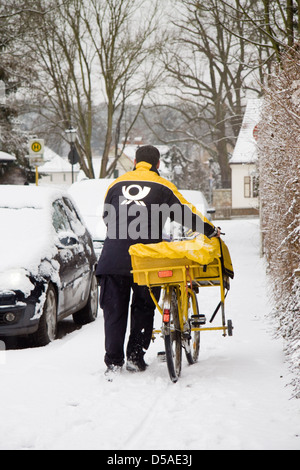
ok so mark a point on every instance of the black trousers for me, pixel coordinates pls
(114, 300)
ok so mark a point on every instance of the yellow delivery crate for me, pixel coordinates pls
(159, 271)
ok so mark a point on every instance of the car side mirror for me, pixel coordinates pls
(67, 240)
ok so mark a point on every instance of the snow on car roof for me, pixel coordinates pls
(193, 196)
(89, 195)
(26, 230)
(14, 196)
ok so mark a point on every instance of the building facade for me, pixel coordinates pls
(243, 163)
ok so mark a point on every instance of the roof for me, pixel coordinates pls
(57, 165)
(245, 150)
(6, 157)
(49, 154)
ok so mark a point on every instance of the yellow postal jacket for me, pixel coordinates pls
(136, 207)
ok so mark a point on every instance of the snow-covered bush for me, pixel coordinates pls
(279, 148)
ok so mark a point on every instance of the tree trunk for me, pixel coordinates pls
(108, 140)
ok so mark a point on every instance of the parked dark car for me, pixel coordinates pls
(47, 263)
(173, 230)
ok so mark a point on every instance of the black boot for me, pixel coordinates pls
(136, 363)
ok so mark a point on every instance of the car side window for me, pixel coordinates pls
(74, 218)
(71, 211)
(59, 217)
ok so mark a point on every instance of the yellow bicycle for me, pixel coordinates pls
(180, 280)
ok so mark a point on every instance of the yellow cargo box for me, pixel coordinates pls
(159, 271)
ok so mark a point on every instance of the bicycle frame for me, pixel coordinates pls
(186, 276)
(180, 279)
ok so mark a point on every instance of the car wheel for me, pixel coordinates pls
(47, 329)
(89, 313)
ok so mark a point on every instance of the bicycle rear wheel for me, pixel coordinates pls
(172, 336)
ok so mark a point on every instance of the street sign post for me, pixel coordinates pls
(36, 155)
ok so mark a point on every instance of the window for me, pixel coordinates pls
(251, 186)
(247, 186)
(74, 219)
(59, 217)
(72, 212)
(255, 186)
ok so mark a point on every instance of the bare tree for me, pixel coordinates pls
(91, 49)
(275, 24)
(208, 68)
(63, 90)
(15, 72)
(125, 52)
(221, 50)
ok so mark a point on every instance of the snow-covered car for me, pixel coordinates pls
(89, 197)
(198, 199)
(173, 230)
(47, 263)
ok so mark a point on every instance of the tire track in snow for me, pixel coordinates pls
(158, 382)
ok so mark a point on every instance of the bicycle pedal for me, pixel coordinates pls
(198, 320)
(161, 356)
(186, 335)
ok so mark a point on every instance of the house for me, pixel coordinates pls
(6, 158)
(57, 170)
(243, 163)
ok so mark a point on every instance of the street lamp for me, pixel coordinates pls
(73, 156)
(210, 178)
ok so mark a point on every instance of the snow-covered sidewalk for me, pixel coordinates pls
(235, 397)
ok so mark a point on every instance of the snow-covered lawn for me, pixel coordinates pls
(235, 397)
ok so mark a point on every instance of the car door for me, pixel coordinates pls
(86, 257)
(70, 258)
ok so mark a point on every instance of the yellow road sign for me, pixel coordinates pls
(36, 147)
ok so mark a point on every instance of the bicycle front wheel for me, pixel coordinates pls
(172, 336)
(192, 344)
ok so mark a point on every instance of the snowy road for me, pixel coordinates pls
(235, 397)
